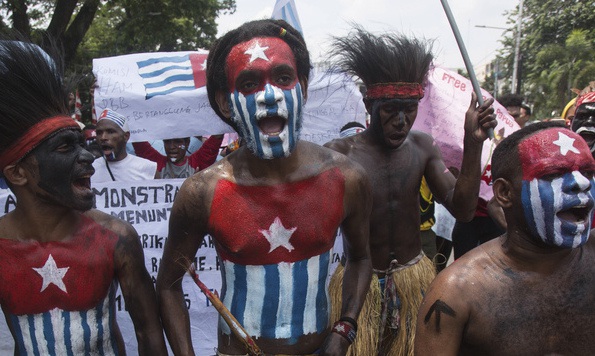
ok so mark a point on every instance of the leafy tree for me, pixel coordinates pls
(88, 29)
(557, 46)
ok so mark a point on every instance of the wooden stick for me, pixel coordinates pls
(233, 323)
(468, 65)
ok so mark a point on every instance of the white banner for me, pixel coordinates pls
(163, 95)
(146, 206)
(441, 114)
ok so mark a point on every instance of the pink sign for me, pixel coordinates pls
(441, 114)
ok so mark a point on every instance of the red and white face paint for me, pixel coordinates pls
(556, 191)
(265, 95)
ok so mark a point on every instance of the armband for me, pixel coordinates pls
(346, 330)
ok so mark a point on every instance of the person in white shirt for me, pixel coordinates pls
(116, 164)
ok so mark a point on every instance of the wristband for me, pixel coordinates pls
(344, 329)
(351, 321)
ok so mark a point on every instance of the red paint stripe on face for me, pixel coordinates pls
(554, 151)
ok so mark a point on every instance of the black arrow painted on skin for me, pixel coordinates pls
(439, 307)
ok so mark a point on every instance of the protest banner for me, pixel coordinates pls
(146, 206)
(441, 114)
(163, 95)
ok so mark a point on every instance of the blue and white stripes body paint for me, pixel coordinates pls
(72, 333)
(543, 199)
(278, 301)
(272, 101)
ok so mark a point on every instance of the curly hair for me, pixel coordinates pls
(31, 89)
(385, 58)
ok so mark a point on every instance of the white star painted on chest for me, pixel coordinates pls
(566, 144)
(51, 274)
(256, 52)
(278, 236)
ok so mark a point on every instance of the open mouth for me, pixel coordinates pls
(271, 125)
(83, 183)
(578, 214)
(588, 134)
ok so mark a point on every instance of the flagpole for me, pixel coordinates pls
(468, 65)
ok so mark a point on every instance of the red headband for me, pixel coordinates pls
(585, 98)
(398, 90)
(33, 137)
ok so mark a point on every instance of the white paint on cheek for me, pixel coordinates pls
(558, 204)
(536, 207)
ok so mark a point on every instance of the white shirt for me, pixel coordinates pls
(130, 168)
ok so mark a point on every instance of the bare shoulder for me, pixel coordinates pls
(342, 145)
(421, 139)
(118, 226)
(337, 159)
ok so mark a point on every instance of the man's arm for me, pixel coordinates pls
(207, 153)
(358, 267)
(138, 292)
(460, 198)
(145, 150)
(442, 317)
(186, 231)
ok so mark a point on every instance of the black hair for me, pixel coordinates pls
(31, 88)
(508, 100)
(505, 160)
(216, 76)
(385, 58)
(352, 124)
(527, 109)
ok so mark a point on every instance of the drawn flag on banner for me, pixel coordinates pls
(286, 10)
(166, 75)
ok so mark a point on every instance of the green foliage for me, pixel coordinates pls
(557, 43)
(88, 29)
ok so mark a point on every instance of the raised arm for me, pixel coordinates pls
(145, 150)
(186, 231)
(358, 266)
(207, 153)
(460, 198)
(139, 294)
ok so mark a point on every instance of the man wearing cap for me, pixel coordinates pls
(116, 164)
(393, 68)
(61, 261)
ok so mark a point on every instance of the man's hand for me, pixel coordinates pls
(334, 345)
(479, 119)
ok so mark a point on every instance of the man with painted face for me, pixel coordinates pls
(61, 261)
(273, 208)
(175, 163)
(532, 290)
(116, 164)
(393, 68)
(583, 122)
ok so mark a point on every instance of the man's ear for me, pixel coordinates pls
(127, 135)
(223, 103)
(15, 174)
(503, 192)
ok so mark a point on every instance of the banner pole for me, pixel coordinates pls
(468, 65)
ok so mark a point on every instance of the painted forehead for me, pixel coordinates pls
(260, 53)
(552, 151)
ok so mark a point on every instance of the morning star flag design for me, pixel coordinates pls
(62, 332)
(286, 10)
(166, 75)
(278, 301)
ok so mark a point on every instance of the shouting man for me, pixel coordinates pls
(273, 207)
